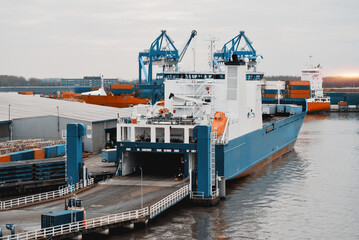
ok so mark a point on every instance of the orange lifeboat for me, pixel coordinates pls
(219, 123)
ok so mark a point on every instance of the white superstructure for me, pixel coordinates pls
(192, 99)
(313, 74)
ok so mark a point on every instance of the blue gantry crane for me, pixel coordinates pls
(239, 45)
(163, 53)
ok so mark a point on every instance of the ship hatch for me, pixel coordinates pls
(155, 164)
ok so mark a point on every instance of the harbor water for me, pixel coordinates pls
(311, 193)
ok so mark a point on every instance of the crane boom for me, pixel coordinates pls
(193, 34)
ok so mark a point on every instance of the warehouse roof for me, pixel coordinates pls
(25, 106)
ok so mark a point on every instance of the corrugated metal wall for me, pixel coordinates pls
(4, 132)
(47, 128)
(98, 130)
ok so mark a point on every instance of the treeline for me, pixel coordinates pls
(340, 82)
(6, 80)
(328, 82)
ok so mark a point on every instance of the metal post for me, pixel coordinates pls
(71, 203)
(10, 127)
(141, 190)
(58, 122)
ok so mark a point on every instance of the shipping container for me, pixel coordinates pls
(82, 89)
(269, 109)
(109, 155)
(280, 109)
(299, 95)
(60, 150)
(342, 103)
(121, 86)
(299, 87)
(273, 95)
(122, 91)
(298, 83)
(15, 156)
(50, 151)
(39, 153)
(5, 158)
(27, 154)
(293, 109)
(299, 91)
(273, 91)
(60, 218)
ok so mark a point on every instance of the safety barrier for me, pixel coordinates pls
(168, 201)
(62, 191)
(77, 227)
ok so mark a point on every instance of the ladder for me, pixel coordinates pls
(213, 159)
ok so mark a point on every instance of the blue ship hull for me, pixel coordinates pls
(247, 154)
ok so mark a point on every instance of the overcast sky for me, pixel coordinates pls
(74, 38)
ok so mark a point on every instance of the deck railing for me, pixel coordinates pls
(62, 191)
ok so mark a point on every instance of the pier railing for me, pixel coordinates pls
(78, 226)
(93, 223)
(168, 201)
(62, 191)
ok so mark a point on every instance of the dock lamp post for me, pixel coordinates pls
(141, 189)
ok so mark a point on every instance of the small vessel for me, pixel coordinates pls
(119, 95)
(211, 127)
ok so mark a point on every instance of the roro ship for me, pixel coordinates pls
(211, 128)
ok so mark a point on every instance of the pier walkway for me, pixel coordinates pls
(113, 203)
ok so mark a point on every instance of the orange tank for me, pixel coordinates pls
(219, 123)
(318, 106)
(120, 101)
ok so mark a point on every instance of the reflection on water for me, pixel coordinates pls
(311, 193)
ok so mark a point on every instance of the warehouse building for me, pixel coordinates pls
(32, 116)
(88, 81)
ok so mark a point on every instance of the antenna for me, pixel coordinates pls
(211, 47)
(310, 60)
(194, 59)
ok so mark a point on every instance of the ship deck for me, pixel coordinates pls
(274, 119)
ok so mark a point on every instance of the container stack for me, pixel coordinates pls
(274, 89)
(118, 89)
(35, 170)
(298, 89)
